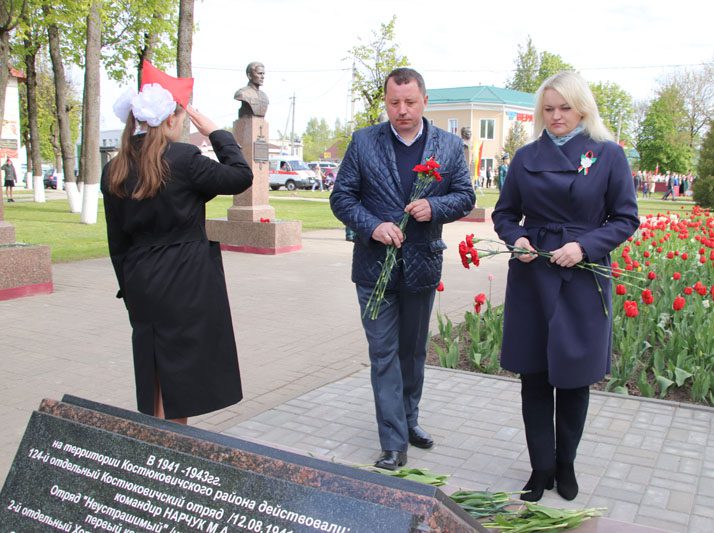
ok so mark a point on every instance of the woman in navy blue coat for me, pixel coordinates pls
(574, 187)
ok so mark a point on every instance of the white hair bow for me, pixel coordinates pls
(152, 105)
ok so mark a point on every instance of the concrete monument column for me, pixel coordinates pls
(250, 224)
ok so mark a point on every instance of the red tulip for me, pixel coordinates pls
(647, 297)
(670, 255)
(688, 290)
(676, 276)
(440, 286)
(630, 307)
(678, 303)
(620, 289)
(685, 256)
(651, 275)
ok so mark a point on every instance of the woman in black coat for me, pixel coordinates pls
(574, 187)
(170, 276)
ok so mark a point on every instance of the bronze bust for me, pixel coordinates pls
(255, 101)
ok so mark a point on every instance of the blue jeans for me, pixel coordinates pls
(397, 352)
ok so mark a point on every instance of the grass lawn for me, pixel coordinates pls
(51, 223)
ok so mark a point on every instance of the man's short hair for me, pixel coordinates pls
(404, 75)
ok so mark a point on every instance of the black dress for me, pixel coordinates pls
(172, 281)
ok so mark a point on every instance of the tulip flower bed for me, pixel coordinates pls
(663, 316)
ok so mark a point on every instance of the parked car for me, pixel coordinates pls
(290, 173)
(49, 178)
(329, 168)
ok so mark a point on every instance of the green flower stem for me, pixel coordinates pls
(376, 298)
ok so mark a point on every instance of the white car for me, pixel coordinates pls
(290, 173)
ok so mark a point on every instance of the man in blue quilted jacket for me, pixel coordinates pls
(371, 194)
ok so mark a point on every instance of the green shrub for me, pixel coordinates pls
(703, 191)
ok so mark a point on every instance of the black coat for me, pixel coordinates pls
(368, 191)
(554, 318)
(172, 281)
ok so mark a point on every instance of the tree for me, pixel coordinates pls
(56, 19)
(663, 138)
(706, 154)
(90, 166)
(616, 108)
(316, 139)
(697, 90)
(533, 68)
(185, 45)
(32, 38)
(373, 61)
(11, 12)
(516, 138)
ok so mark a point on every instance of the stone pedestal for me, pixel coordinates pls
(24, 269)
(478, 214)
(242, 229)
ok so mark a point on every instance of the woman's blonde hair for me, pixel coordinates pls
(147, 157)
(575, 90)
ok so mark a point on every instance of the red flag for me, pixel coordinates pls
(180, 88)
(478, 161)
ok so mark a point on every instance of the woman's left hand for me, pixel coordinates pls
(567, 255)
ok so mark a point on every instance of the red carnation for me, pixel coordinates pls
(421, 168)
(470, 240)
(620, 289)
(474, 257)
(435, 174)
(678, 303)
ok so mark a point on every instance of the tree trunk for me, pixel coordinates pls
(185, 45)
(4, 72)
(90, 162)
(65, 134)
(35, 160)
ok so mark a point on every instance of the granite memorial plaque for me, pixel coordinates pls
(260, 151)
(84, 466)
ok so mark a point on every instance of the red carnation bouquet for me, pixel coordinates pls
(426, 174)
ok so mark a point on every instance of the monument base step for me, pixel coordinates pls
(25, 270)
(266, 238)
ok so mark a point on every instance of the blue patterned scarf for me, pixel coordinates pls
(560, 141)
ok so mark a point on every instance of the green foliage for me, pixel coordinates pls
(46, 112)
(703, 191)
(449, 353)
(517, 137)
(373, 61)
(533, 68)
(663, 139)
(316, 139)
(616, 108)
(706, 153)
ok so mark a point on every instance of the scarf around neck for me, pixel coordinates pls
(560, 141)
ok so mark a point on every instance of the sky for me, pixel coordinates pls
(304, 45)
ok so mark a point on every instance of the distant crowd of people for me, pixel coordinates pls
(675, 184)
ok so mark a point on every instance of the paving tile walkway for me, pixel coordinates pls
(304, 366)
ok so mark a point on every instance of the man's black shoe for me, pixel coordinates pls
(391, 460)
(420, 438)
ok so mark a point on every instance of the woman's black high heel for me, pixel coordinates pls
(567, 484)
(538, 482)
